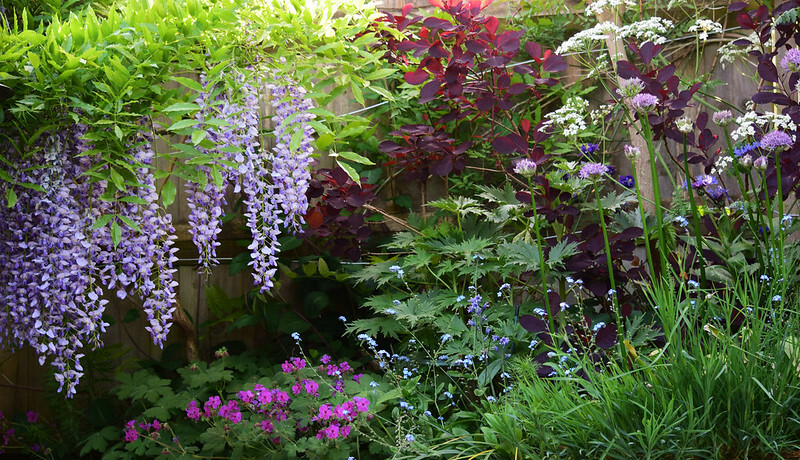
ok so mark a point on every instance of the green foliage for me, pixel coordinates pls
(152, 397)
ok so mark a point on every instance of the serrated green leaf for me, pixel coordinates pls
(130, 223)
(103, 220)
(297, 138)
(380, 73)
(357, 94)
(116, 234)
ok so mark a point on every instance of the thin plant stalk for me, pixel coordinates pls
(648, 136)
(607, 248)
(650, 263)
(542, 263)
(780, 264)
(695, 217)
(743, 188)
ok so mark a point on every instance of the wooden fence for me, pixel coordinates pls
(22, 379)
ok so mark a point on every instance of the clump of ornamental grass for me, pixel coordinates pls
(724, 384)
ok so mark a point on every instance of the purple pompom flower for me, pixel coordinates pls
(776, 140)
(791, 60)
(592, 171)
(644, 102)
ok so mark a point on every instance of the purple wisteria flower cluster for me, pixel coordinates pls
(57, 260)
(274, 182)
(289, 178)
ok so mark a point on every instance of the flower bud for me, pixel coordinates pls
(632, 152)
(746, 161)
(760, 163)
(684, 125)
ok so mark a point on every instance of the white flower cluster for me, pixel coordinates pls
(570, 118)
(583, 39)
(649, 30)
(598, 6)
(704, 26)
(599, 114)
(730, 53)
(721, 164)
(767, 122)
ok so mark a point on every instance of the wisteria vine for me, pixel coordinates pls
(64, 244)
(56, 260)
(274, 182)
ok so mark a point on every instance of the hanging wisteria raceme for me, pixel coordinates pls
(49, 298)
(55, 262)
(141, 265)
(291, 169)
(274, 183)
(286, 191)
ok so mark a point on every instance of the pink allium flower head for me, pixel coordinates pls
(32, 416)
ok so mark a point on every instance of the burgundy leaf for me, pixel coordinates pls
(491, 25)
(534, 50)
(665, 73)
(503, 81)
(744, 21)
(436, 23)
(497, 61)
(524, 69)
(428, 92)
(504, 145)
(438, 51)
(417, 77)
(451, 74)
(520, 144)
(455, 89)
(508, 41)
(533, 324)
(523, 197)
(476, 46)
(517, 88)
(737, 6)
(355, 200)
(764, 97)
(505, 103)
(607, 336)
(485, 103)
(554, 63)
(767, 71)
(702, 121)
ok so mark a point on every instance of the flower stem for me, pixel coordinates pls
(695, 217)
(607, 248)
(648, 136)
(542, 263)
